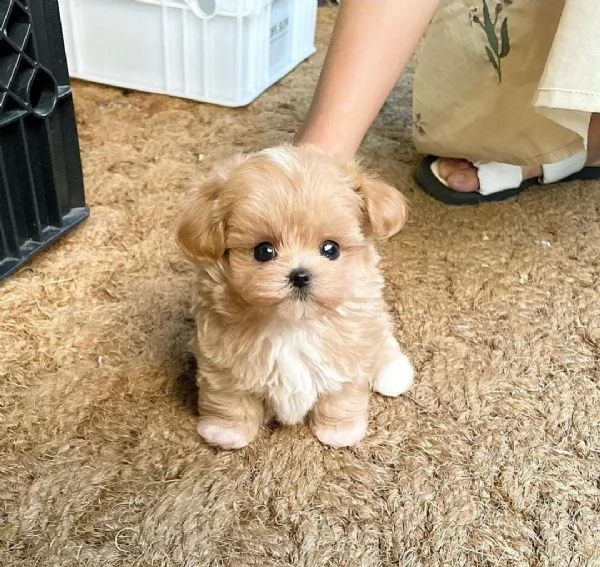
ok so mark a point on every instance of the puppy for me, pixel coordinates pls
(291, 320)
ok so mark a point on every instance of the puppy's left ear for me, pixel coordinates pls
(386, 209)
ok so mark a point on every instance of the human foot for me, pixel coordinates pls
(462, 176)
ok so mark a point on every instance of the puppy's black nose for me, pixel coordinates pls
(300, 278)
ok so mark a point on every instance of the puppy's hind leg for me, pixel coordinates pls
(228, 419)
(394, 374)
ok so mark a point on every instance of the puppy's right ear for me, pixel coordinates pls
(201, 231)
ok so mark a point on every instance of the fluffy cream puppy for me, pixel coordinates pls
(291, 320)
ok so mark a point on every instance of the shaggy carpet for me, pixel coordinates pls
(493, 459)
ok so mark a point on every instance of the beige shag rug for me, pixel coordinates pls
(492, 460)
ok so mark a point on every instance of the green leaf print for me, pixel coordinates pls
(505, 39)
(498, 41)
(488, 27)
(493, 60)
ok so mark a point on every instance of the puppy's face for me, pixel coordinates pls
(291, 229)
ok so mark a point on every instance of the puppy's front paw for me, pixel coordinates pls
(223, 434)
(396, 378)
(343, 434)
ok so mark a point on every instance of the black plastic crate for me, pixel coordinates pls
(41, 182)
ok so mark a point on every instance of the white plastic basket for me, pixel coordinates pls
(225, 52)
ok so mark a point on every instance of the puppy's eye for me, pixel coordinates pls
(264, 252)
(330, 249)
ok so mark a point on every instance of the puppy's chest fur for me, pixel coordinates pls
(289, 365)
(300, 369)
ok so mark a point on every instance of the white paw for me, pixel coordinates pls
(225, 437)
(342, 435)
(396, 378)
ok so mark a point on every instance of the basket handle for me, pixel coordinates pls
(204, 9)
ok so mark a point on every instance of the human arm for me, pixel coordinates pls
(371, 44)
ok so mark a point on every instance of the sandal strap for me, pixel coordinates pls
(495, 177)
(554, 172)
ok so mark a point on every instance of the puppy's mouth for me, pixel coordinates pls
(302, 294)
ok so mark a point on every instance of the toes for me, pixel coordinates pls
(459, 174)
(463, 180)
(446, 166)
(343, 434)
(222, 434)
(396, 378)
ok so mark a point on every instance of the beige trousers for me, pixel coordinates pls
(511, 81)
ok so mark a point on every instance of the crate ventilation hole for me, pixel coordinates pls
(26, 87)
